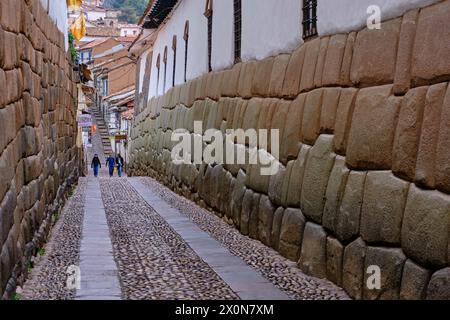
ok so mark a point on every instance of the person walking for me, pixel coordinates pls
(119, 162)
(95, 164)
(111, 164)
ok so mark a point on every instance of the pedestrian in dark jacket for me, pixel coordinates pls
(111, 163)
(119, 163)
(95, 164)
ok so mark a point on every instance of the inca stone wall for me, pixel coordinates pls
(365, 146)
(38, 155)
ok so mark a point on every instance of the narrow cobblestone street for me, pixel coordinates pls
(139, 241)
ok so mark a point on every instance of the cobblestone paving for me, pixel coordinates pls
(280, 271)
(154, 261)
(48, 279)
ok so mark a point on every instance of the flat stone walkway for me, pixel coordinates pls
(242, 279)
(99, 275)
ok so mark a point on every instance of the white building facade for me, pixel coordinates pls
(267, 28)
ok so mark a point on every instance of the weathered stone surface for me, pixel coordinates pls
(237, 196)
(246, 76)
(335, 254)
(414, 281)
(353, 268)
(317, 172)
(372, 149)
(293, 72)
(265, 219)
(333, 61)
(309, 66)
(432, 28)
(247, 205)
(442, 174)
(296, 178)
(276, 186)
(291, 234)
(439, 286)
(277, 77)
(321, 61)
(383, 207)
(335, 193)
(407, 136)
(261, 80)
(276, 228)
(314, 254)
(426, 227)
(348, 219)
(402, 80)
(390, 261)
(231, 81)
(292, 133)
(329, 108)
(311, 116)
(253, 227)
(347, 60)
(375, 54)
(426, 156)
(343, 121)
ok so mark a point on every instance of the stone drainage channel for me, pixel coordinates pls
(138, 240)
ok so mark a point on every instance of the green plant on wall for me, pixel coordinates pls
(73, 51)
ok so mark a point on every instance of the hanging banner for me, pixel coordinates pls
(78, 27)
(74, 4)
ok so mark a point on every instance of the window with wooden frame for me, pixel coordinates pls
(158, 68)
(165, 69)
(209, 15)
(174, 48)
(186, 46)
(309, 18)
(237, 30)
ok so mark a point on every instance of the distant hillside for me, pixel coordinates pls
(132, 10)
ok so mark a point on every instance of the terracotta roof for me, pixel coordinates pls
(126, 39)
(92, 44)
(156, 13)
(128, 115)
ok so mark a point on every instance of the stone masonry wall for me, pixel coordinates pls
(365, 151)
(38, 153)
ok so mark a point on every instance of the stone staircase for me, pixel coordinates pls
(102, 131)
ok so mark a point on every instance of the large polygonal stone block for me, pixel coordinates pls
(293, 72)
(309, 67)
(439, 286)
(375, 54)
(426, 227)
(390, 261)
(426, 157)
(335, 193)
(311, 116)
(402, 81)
(414, 282)
(335, 254)
(344, 115)
(353, 268)
(315, 180)
(442, 174)
(373, 127)
(291, 234)
(407, 136)
(314, 254)
(265, 219)
(432, 46)
(277, 77)
(383, 207)
(333, 61)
